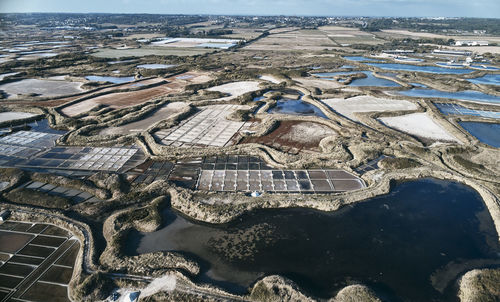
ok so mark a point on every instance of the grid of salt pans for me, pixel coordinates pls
(100, 158)
(30, 138)
(448, 109)
(208, 127)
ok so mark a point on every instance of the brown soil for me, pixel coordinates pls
(126, 99)
(294, 136)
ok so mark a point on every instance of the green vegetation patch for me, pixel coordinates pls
(36, 198)
(399, 163)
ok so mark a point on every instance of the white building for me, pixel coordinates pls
(471, 43)
(452, 52)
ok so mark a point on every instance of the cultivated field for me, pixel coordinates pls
(294, 40)
(327, 37)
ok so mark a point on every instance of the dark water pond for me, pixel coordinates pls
(296, 107)
(393, 243)
(43, 126)
(423, 68)
(487, 133)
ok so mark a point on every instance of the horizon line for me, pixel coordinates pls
(249, 15)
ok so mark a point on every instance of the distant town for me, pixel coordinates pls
(149, 157)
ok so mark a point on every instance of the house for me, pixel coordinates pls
(4, 215)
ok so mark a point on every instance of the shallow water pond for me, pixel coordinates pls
(370, 79)
(361, 59)
(489, 79)
(423, 68)
(114, 80)
(393, 243)
(296, 107)
(487, 133)
(470, 95)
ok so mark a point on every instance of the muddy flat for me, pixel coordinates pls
(43, 88)
(293, 136)
(161, 114)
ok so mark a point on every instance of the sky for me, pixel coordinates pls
(407, 8)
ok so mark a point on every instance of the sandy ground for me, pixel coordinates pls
(141, 125)
(11, 116)
(318, 83)
(235, 89)
(365, 103)
(419, 124)
(44, 88)
(166, 283)
(270, 78)
(305, 132)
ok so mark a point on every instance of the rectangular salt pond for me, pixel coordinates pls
(361, 59)
(114, 80)
(487, 133)
(216, 45)
(448, 109)
(468, 95)
(370, 79)
(12, 116)
(423, 68)
(484, 67)
(489, 79)
(154, 66)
